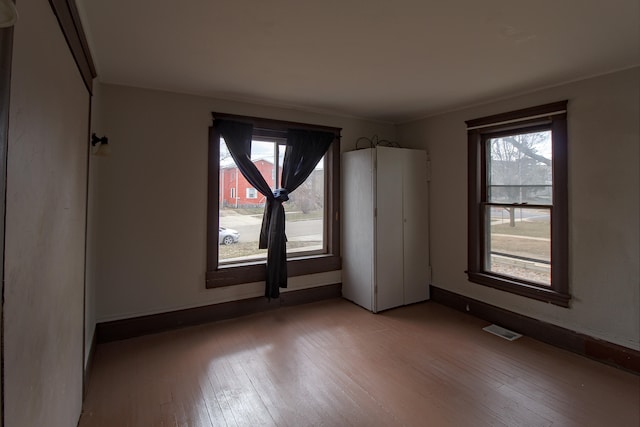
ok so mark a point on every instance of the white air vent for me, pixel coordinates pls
(502, 332)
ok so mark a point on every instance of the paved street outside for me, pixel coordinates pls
(249, 227)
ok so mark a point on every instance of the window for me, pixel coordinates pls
(252, 193)
(312, 223)
(518, 212)
(304, 211)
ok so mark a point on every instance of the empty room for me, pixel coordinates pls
(351, 213)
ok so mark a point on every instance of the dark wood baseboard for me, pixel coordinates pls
(305, 296)
(89, 365)
(137, 326)
(603, 351)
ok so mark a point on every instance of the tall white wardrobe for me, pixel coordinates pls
(385, 261)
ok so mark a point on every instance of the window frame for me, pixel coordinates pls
(549, 116)
(220, 275)
(252, 193)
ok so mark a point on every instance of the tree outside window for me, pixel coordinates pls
(518, 216)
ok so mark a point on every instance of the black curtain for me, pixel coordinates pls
(304, 150)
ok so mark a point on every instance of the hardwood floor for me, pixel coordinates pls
(335, 364)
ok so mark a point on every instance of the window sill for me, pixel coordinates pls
(235, 274)
(521, 288)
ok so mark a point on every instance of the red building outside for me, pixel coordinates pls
(235, 190)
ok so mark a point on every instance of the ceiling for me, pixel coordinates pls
(381, 60)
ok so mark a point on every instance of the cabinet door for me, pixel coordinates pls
(415, 222)
(358, 227)
(389, 264)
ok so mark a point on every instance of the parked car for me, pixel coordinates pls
(227, 236)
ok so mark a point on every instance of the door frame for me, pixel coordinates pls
(6, 55)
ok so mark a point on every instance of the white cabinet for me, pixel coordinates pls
(385, 260)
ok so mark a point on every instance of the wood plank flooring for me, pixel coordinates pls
(335, 364)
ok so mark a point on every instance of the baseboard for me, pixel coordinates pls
(137, 326)
(603, 351)
(89, 365)
(305, 296)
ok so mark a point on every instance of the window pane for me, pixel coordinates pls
(519, 243)
(252, 193)
(241, 206)
(305, 214)
(519, 168)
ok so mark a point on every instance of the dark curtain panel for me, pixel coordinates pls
(237, 135)
(304, 151)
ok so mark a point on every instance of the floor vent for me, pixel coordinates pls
(502, 332)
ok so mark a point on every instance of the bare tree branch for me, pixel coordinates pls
(527, 151)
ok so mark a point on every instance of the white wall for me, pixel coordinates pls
(148, 200)
(604, 217)
(45, 226)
